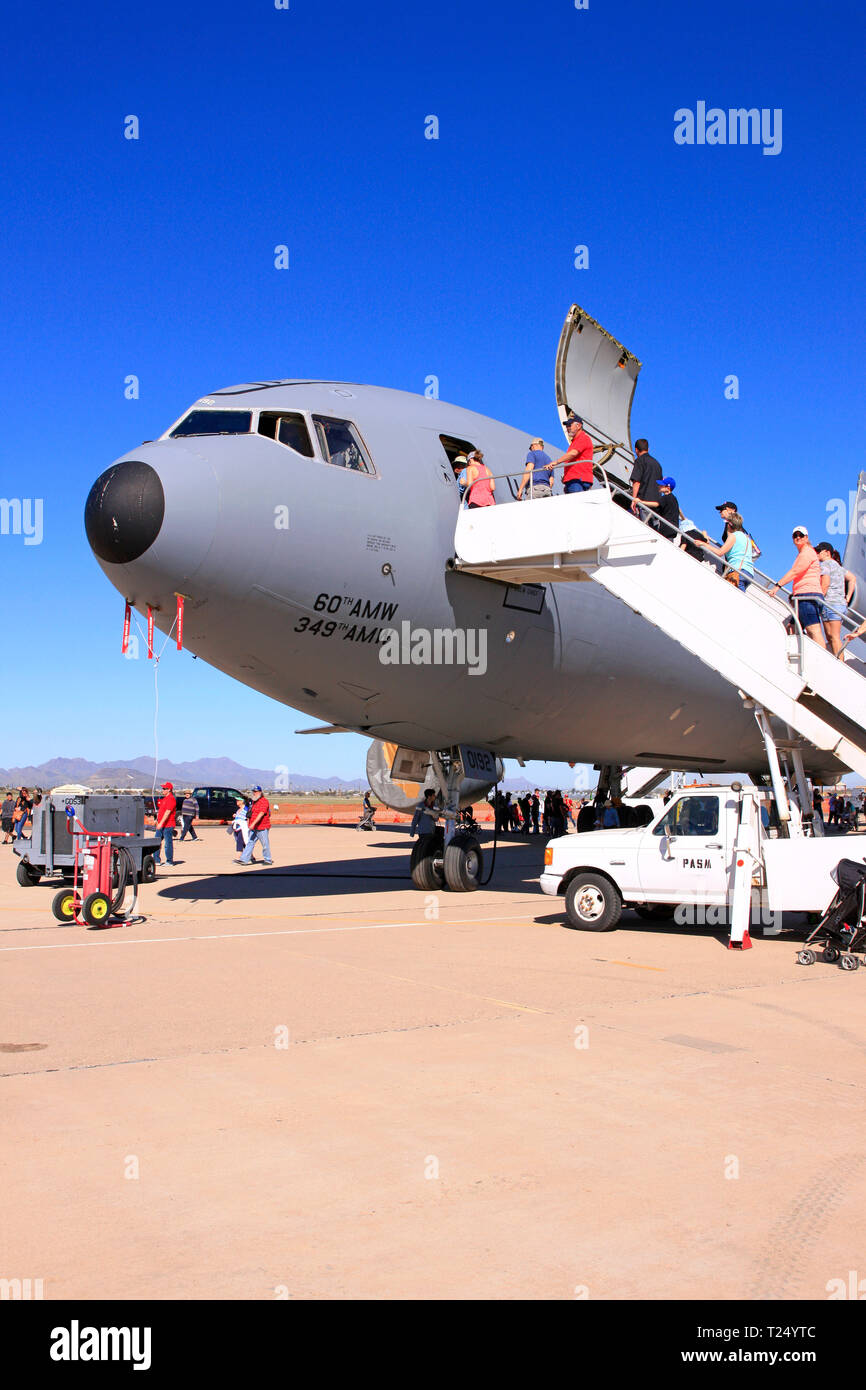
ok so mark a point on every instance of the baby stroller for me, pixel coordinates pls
(368, 811)
(841, 929)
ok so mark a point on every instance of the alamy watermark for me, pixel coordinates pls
(439, 646)
(736, 126)
(22, 516)
(847, 516)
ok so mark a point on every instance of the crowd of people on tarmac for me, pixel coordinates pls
(250, 825)
(550, 813)
(822, 589)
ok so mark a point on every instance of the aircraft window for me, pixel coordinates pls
(341, 444)
(691, 815)
(214, 422)
(290, 429)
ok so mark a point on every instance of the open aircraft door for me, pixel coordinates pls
(595, 378)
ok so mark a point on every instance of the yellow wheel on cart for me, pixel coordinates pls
(95, 909)
(63, 905)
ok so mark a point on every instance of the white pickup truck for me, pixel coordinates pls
(708, 844)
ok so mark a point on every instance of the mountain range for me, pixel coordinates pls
(138, 772)
(203, 772)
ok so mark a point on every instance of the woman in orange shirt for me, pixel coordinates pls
(806, 587)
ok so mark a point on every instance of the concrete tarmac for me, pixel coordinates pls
(315, 1082)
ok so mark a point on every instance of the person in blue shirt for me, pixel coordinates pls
(426, 815)
(536, 480)
(610, 818)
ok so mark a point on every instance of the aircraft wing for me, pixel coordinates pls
(595, 378)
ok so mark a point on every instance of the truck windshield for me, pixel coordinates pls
(691, 815)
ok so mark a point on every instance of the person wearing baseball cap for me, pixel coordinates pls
(667, 514)
(577, 476)
(805, 574)
(166, 821)
(728, 510)
(536, 480)
(259, 821)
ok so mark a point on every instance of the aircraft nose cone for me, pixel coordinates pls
(124, 512)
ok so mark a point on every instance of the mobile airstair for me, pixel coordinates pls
(751, 638)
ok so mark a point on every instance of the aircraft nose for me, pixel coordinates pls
(124, 512)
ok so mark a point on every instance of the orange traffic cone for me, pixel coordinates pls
(744, 945)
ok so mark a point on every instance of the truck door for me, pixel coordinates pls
(684, 857)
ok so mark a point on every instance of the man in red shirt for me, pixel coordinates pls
(577, 474)
(259, 823)
(166, 820)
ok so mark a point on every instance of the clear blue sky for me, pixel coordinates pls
(409, 257)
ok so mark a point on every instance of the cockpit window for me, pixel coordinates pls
(341, 444)
(287, 428)
(213, 422)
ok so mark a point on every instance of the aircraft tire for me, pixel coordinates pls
(592, 903)
(426, 863)
(464, 864)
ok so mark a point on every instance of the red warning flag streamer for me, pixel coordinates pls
(149, 632)
(127, 618)
(180, 598)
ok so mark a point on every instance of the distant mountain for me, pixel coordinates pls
(138, 772)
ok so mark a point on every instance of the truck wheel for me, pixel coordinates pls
(148, 869)
(26, 875)
(656, 912)
(63, 905)
(592, 903)
(96, 909)
(463, 864)
(426, 865)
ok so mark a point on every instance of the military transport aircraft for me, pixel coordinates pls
(304, 521)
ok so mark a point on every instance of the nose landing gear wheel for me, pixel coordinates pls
(463, 864)
(592, 903)
(426, 864)
(63, 905)
(96, 909)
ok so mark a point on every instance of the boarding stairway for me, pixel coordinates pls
(752, 639)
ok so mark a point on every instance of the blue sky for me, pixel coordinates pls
(409, 257)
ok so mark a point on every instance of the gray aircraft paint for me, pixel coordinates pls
(584, 678)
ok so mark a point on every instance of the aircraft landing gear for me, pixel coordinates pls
(427, 863)
(451, 857)
(464, 863)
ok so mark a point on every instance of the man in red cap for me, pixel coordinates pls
(166, 820)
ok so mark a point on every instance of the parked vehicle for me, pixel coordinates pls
(217, 803)
(708, 845)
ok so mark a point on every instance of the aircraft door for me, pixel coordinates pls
(596, 377)
(684, 858)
